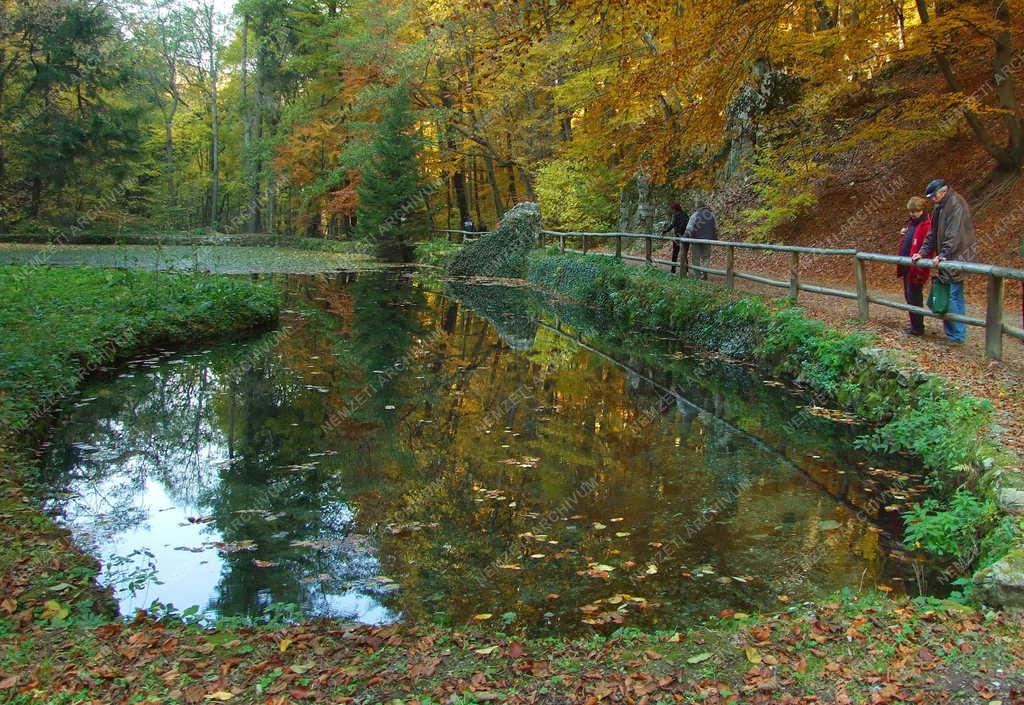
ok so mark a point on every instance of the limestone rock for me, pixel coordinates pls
(1011, 500)
(1002, 583)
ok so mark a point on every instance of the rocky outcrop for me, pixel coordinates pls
(1002, 583)
(501, 253)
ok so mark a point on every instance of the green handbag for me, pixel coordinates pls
(938, 296)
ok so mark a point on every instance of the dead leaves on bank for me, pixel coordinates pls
(803, 657)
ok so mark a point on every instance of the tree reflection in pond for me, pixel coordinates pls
(387, 454)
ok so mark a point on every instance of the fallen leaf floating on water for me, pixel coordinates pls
(235, 546)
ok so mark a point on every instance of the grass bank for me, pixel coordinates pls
(965, 525)
(57, 326)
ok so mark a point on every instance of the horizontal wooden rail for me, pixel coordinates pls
(993, 323)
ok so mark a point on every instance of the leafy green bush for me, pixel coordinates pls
(943, 429)
(57, 325)
(788, 190)
(501, 253)
(577, 196)
(952, 529)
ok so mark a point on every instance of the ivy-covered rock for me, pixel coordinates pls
(501, 253)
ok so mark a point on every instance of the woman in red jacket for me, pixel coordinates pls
(914, 278)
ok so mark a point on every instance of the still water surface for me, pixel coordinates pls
(388, 455)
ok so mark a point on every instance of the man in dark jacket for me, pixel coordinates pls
(678, 227)
(702, 226)
(952, 237)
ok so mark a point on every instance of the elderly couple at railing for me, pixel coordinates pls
(699, 226)
(948, 234)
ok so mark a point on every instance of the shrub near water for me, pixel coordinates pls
(57, 324)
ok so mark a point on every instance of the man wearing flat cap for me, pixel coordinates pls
(952, 237)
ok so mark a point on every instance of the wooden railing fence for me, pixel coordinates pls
(994, 323)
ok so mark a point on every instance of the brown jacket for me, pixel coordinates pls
(952, 235)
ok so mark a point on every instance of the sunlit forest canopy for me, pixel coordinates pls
(271, 115)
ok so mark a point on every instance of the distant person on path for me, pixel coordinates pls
(678, 226)
(468, 226)
(914, 278)
(951, 237)
(702, 226)
(482, 228)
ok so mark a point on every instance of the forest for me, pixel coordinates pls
(353, 119)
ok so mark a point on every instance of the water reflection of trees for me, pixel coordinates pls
(420, 466)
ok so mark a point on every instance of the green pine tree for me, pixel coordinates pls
(392, 197)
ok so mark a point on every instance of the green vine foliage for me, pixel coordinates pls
(501, 253)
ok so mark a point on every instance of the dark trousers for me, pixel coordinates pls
(675, 253)
(914, 295)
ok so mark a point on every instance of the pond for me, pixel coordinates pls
(388, 454)
(221, 259)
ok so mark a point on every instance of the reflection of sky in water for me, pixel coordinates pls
(141, 524)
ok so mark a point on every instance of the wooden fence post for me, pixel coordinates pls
(862, 288)
(648, 250)
(794, 275)
(561, 243)
(584, 236)
(540, 238)
(618, 246)
(730, 267)
(994, 318)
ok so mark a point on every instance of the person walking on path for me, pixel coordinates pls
(702, 226)
(951, 237)
(678, 226)
(914, 278)
(468, 226)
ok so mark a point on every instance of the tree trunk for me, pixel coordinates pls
(492, 180)
(37, 197)
(1002, 70)
(246, 114)
(214, 123)
(1003, 157)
